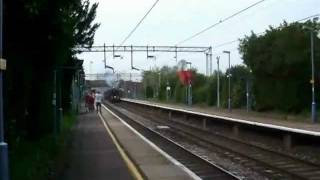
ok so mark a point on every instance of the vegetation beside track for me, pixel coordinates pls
(40, 41)
(276, 70)
(41, 159)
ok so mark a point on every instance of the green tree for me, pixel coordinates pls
(280, 63)
(39, 37)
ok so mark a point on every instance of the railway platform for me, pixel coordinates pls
(92, 153)
(104, 148)
(150, 161)
(289, 122)
(288, 131)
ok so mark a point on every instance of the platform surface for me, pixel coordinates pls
(254, 117)
(148, 159)
(93, 155)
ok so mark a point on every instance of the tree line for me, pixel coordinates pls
(40, 37)
(276, 71)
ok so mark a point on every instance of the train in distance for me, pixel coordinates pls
(113, 95)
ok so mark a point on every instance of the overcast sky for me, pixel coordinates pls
(172, 21)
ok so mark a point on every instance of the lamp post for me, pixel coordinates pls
(4, 160)
(168, 88)
(248, 91)
(313, 103)
(229, 77)
(90, 68)
(135, 90)
(189, 88)
(218, 83)
(159, 85)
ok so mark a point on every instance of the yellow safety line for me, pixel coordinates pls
(132, 168)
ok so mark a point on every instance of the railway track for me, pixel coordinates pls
(273, 164)
(201, 167)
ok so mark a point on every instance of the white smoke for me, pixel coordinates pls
(112, 79)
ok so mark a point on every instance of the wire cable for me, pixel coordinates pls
(260, 33)
(132, 31)
(221, 21)
(226, 43)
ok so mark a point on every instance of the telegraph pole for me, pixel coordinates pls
(4, 161)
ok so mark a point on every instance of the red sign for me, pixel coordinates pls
(185, 77)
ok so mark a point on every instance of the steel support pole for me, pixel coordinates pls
(135, 91)
(113, 51)
(59, 100)
(313, 105)
(79, 92)
(190, 94)
(176, 53)
(131, 57)
(167, 91)
(167, 97)
(186, 100)
(218, 83)
(104, 55)
(54, 104)
(4, 161)
(207, 71)
(210, 59)
(247, 94)
(159, 85)
(229, 99)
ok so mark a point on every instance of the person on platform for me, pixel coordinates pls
(91, 101)
(98, 101)
(87, 102)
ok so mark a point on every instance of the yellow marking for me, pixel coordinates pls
(132, 168)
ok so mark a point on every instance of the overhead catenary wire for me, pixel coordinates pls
(231, 42)
(221, 21)
(260, 33)
(134, 29)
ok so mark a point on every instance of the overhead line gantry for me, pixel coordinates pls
(174, 49)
